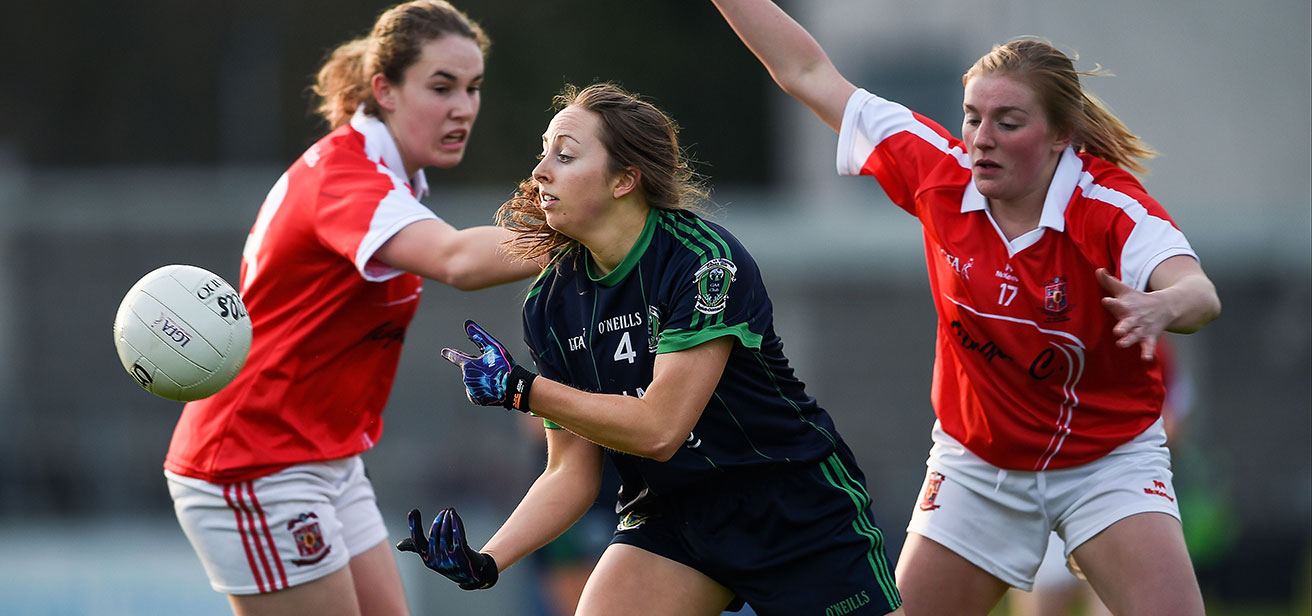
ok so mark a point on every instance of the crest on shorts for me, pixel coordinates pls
(1054, 296)
(308, 539)
(713, 280)
(932, 484)
(631, 520)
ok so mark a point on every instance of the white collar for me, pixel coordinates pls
(1060, 189)
(379, 146)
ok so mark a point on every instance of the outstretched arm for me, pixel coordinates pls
(556, 500)
(1180, 299)
(652, 426)
(467, 259)
(795, 60)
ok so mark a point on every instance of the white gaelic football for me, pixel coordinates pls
(182, 332)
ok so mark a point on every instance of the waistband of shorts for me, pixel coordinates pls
(720, 480)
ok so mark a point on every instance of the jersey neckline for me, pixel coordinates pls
(631, 259)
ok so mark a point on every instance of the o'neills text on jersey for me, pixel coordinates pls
(623, 321)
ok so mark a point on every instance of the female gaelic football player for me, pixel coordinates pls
(1053, 274)
(653, 334)
(266, 476)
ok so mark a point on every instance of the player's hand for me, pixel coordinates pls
(492, 378)
(1140, 317)
(447, 552)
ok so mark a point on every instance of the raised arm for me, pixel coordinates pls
(795, 60)
(467, 259)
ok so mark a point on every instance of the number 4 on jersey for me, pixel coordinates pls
(625, 349)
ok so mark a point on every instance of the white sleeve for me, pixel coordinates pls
(869, 120)
(1152, 240)
(394, 212)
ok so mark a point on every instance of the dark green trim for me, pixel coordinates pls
(540, 281)
(630, 260)
(680, 339)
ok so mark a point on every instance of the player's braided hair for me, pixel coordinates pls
(1069, 107)
(635, 134)
(396, 41)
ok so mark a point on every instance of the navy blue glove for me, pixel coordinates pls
(492, 378)
(446, 551)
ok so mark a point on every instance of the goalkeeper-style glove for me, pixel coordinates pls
(492, 378)
(446, 551)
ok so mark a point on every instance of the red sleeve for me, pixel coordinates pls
(359, 208)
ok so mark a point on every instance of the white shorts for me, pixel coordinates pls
(284, 529)
(1000, 520)
(1054, 572)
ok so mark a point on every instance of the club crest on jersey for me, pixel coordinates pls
(713, 279)
(308, 539)
(932, 485)
(1055, 300)
(653, 328)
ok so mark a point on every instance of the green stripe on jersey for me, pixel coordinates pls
(765, 369)
(540, 281)
(698, 237)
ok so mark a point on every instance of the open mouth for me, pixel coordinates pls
(455, 137)
(547, 200)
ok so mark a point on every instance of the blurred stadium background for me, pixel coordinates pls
(144, 133)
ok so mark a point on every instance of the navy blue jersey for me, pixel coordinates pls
(685, 281)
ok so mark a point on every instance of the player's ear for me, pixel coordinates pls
(1062, 139)
(384, 91)
(626, 181)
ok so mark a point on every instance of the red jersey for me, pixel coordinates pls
(1027, 374)
(328, 319)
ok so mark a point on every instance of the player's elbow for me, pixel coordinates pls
(1202, 308)
(473, 273)
(464, 281)
(653, 445)
(663, 446)
(1210, 311)
(1202, 315)
(662, 454)
(1213, 308)
(459, 274)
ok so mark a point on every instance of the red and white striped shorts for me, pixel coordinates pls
(284, 529)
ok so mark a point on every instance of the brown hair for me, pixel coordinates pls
(635, 134)
(1069, 107)
(397, 38)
